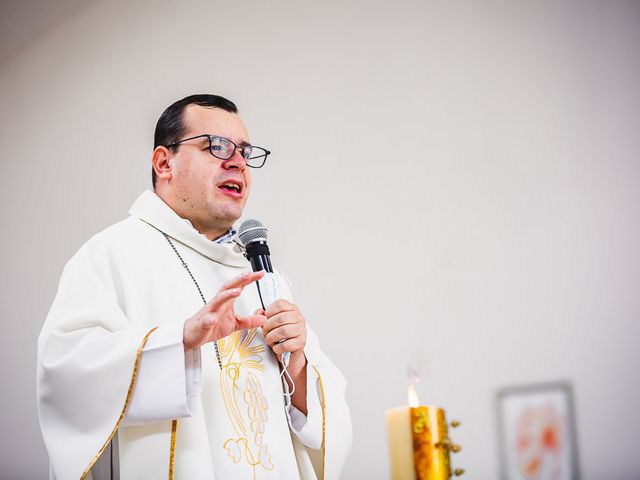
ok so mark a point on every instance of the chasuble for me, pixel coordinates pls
(120, 309)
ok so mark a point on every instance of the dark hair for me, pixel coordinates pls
(170, 126)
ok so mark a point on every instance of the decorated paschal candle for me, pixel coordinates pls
(419, 444)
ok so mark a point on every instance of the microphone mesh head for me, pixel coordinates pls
(252, 230)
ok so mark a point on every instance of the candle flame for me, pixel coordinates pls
(413, 396)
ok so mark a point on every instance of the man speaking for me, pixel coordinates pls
(157, 358)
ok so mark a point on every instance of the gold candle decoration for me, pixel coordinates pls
(430, 443)
(418, 441)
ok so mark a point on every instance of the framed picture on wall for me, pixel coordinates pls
(536, 432)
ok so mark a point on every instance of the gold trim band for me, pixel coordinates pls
(124, 409)
(172, 451)
(324, 418)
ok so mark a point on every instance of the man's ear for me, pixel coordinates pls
(161, 162)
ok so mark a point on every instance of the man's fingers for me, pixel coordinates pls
(243, 280)
(289, 345)
(222, 297)
(280, 320)
(233, 288)
(249, 322)
(282, 333)
(280, 306)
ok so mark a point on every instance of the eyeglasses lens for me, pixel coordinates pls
(221, 148)
(246, 152)
(224, 149)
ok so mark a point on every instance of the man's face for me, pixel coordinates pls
(199, 184)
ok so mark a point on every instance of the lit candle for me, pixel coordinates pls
(400, 439)
(418, 442)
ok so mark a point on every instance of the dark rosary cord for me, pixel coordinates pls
(186, 267)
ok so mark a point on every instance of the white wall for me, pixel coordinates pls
(465, 175)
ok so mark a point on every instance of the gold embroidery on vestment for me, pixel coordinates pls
(246, 405)
(324, 418)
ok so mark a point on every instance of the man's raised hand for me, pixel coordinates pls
(218, 319)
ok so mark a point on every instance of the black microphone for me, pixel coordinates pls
(253, 235)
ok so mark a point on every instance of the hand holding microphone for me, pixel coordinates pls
(285, 330)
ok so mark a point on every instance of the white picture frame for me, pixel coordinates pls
(536, 432)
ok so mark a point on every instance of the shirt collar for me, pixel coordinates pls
(227, 237)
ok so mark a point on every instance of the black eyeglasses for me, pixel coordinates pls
(223, 148)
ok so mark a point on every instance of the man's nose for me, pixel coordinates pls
(236, 161)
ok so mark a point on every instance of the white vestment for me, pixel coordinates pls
(122, 287)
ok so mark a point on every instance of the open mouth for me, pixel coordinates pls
(231, 188)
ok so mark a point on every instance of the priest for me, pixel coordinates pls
(158, 358)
